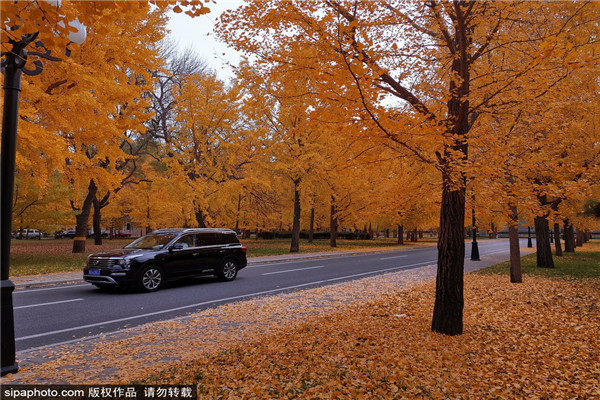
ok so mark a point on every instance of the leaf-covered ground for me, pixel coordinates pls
(364, 339)
(539, 339)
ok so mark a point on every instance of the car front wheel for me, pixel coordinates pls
(228, 270)
(150, 279)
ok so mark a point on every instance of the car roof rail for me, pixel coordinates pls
(187, 230)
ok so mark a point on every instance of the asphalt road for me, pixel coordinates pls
(53, 315)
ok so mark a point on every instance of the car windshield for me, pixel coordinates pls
(155, 241)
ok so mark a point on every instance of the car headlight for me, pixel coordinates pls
(122, 263)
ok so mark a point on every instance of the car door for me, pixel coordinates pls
(180, 260)
(208, 251)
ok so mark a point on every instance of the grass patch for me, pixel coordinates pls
(35, 264)
(34, 257)
(584, 263)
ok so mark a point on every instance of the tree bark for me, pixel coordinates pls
(579, 237)
(569, 237)
(96, 219)
(82, 219)
(295, 245)
(557, 245)
(333, 224)
(237, 218)
(515, 249)
(542, 239)
(200, 219)
(400, 234)
(449, 297)
(311, 228)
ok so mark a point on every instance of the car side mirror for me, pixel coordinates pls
(177, 246)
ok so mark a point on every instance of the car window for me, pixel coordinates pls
(206, 239)
(186, 241)
(154, 241)
(227, 238)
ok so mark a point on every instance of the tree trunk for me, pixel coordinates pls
(569, 237)
(449, 298)
(557, 245)
(311, 227)
(333, 224)
(295, 245)
(96, 219)
(579, 236)
(201, 219)
(400, 234)
(83, 219)
(542, 240)
(237, 218)
(515, 249)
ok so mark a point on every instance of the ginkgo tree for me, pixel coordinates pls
(213, 145)
(102, 80)
(293, 136)
(425, 60)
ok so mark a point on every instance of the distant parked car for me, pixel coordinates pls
(69, 233)
(28, 234)
(168, 254)
(103, 234)
(122, 234)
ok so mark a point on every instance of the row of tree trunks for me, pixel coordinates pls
(414, 235)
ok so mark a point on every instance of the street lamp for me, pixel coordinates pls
(474, 245)
(529, 243)
(14, 63)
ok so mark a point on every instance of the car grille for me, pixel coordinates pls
(94, 262)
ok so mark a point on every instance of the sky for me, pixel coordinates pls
(196, 34)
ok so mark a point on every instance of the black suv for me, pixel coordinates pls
(168, 254)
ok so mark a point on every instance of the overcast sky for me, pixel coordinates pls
(196, 33)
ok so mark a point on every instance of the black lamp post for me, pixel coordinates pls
(529, 244)
(474, 246)
(13, 66)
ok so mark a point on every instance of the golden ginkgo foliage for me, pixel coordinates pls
(420, 74)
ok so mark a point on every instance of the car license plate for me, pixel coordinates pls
(94, 272)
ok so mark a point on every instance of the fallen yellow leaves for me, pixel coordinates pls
(365, 339)
(539, 339)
